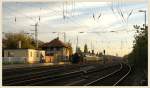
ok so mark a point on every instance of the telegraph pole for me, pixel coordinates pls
(144, 11)
(104, 59)
(145, 19)
(77, 45)
(64, 37)
(121, 46)
(36, 34)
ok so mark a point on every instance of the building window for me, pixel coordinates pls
(58, 49)
(30, 54)
(37, 54)
(8, 54)
(54, 49)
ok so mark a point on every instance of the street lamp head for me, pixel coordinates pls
(53, 32)
(112, 31)
(81, 32)
(142, 10)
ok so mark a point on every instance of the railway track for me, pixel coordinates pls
(7, 73)
(21, 73)
(69, 78)
(112, 79)
(91, 76)
(85, 78)
(28, 78)
(82, 77)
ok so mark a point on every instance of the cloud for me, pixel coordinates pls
(78, 18)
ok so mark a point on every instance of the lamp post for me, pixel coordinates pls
(64, 37)
(78, 41)
(145, 16)
(104, 60)
(63, 33)
(57, 34)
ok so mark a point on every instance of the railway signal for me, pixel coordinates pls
(104, 52)
(104, 57)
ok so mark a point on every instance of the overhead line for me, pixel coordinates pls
(22, 14)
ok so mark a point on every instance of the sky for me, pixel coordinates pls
(96, 19)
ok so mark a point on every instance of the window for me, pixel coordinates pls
(54, 49)
(8, 53)
(30, 54)
(37, 54)
(58, 49)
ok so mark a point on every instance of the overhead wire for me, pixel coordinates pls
(114, 4)
(131, 12)
(22, 14)
(39, 18)
(71, 20)
(22, 25)
(99, 16)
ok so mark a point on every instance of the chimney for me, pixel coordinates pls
(19, 44)
(57, 38)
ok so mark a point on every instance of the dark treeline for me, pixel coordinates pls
(138, 58)
(11, 41)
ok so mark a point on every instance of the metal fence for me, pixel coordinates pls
(14, 60)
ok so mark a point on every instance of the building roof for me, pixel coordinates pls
(55, 43)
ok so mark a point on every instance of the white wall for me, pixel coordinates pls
(14, 59)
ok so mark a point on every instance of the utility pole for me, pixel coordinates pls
(63, 12)
(77, 45)
(121, 46)
(104, 58)
(145, 19)
(91, 45)
(144, 16)
(64, 37)
(36, 34)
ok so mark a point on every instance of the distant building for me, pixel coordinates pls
(24, 55)
(57, 51)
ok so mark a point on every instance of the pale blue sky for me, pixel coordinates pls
(79, 18)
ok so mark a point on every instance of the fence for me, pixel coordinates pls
(13, 60)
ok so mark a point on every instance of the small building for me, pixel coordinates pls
(27, 55)
(57, 51)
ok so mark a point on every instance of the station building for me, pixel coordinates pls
(57, 51)
(23, 55)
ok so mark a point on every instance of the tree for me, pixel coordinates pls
(93, 52)
(139, 55)
(100, 54)
(85, 48)
(79, 50)
(11, 41)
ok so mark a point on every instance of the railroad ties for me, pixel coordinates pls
(83, 75)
